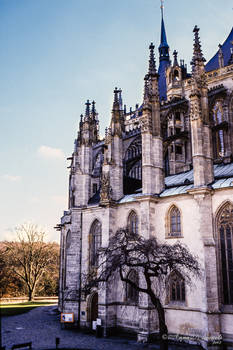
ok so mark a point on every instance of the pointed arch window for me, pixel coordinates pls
(133, 160)
(174, 222)
(95, 242)
(68, 240)
(66, 252)
(131, 292)
(133, 223)
(218, 132)
(225, 244)
(176, 287)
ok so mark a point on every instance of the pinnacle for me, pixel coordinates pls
(197, 51)
(87, 114)
(152, 67)
(146, 88)
(116, 98)
(175, 53)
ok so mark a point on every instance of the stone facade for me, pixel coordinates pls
(170, 163)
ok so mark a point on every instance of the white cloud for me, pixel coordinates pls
(50, 152)
(12, 178)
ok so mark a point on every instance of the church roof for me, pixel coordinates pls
(181, 183)
(220, 171)
(226, 49)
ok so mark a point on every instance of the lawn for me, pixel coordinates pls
(20, 308)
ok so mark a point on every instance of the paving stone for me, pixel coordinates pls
(41, 326)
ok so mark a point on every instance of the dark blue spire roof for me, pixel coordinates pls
(164, 61)
(226, 49)
(163, 41)
(162, 79)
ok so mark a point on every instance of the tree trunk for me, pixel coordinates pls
(31, 294)
(163, 331)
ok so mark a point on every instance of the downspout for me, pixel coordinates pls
(80, 269)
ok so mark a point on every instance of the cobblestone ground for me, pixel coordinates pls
(41, 326)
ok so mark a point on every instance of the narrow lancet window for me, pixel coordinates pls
(95, 242)
(225, 234)
(174, 222)
(131, 291)
(133, 223)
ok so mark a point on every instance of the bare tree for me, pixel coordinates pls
(152, 260)
(29, 257)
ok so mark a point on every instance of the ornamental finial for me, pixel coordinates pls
(162, 6)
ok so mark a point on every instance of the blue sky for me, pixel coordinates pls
(54, 55)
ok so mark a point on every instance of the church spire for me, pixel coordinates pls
(163, 47)
(164, 59)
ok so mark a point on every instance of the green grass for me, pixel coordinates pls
(20, 308)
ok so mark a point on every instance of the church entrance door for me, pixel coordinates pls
(94, 307)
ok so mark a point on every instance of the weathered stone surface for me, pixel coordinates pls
(162, 137)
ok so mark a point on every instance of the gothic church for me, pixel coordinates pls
(164, 168)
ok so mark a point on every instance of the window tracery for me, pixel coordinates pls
(174, 222)
(133, 222)
(95, 243)
(133, 163)
(219, 146)
(225, 244)
(131, 292)
(132, 166)
(177, 287)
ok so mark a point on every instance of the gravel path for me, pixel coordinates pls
(41, 326)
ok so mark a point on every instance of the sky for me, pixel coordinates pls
(56, 54)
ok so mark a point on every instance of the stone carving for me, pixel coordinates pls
(146, 123)
(105, 194)
(195, 110)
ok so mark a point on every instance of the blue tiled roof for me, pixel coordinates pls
(180, 183)
(220, 171)
(213, 63)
